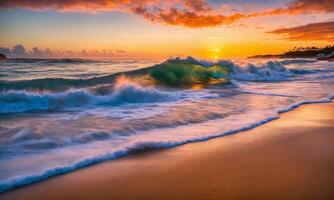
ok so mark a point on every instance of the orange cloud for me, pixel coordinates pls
(191, 19)
(189, 13)
(305, 6)
(300, 7)
(200, 14)
(315, 31)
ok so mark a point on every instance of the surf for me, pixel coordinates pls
(176, 72)
(124, 91)
(82, 121)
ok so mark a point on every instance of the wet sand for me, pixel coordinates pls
(288, 158)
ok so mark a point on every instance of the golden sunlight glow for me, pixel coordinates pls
(216, 53)
(131, 36)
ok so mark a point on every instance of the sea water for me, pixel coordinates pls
(58, 115)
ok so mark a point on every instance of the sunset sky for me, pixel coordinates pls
(210, 29)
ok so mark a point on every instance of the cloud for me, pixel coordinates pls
(72, 5)
(197, 5)
(300, 7)
(305, 6)
(19, 51)
(189, 13)
(315, 31)
(190, 19)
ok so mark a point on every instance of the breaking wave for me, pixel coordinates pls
(173, 72)
(121, 113)
(124, 91)
(114, 89)
(270, 71)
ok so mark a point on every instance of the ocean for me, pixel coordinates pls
(59, 115)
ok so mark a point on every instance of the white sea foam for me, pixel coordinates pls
(138, 145)
(270, 71)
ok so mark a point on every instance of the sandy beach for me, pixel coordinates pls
(288, 158)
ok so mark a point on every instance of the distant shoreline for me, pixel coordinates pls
(326, 53)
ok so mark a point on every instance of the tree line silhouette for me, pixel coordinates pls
(308, 51)
(301, 52)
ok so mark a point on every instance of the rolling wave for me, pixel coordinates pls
(62, 84)
(124, 91)
(174, 72)
(121, 113)
(114, 90)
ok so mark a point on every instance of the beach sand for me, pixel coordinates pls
(288, 158)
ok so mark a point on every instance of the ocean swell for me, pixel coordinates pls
(178, 72)
(106, 117)
(174, 72)
(124, 91)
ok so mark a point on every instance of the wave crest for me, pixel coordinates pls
(173, 72)
(178, 71)
(124, 91)
(270, 71)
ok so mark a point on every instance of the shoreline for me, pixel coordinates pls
(49, 174)
(180, 160)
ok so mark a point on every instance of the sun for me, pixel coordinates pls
(215, 53)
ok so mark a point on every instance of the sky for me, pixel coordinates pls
(209, 29)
